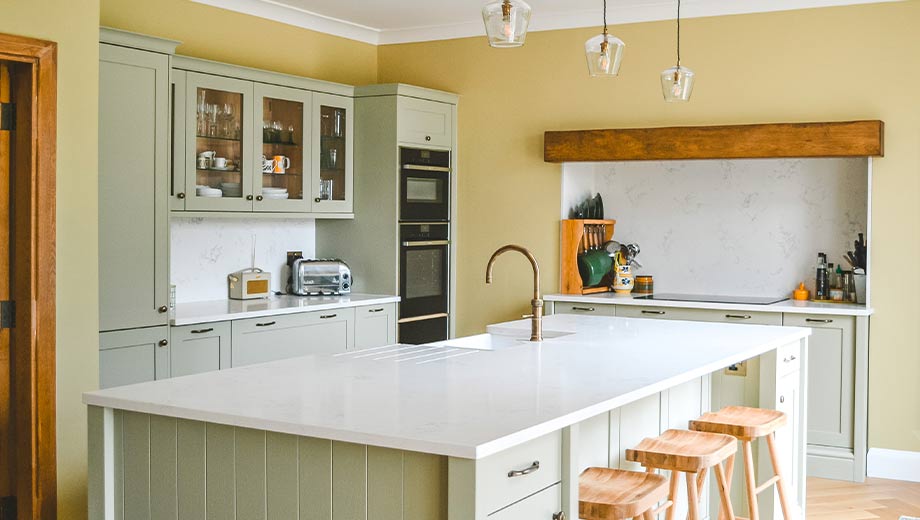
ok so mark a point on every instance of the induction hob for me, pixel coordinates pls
(709, 298)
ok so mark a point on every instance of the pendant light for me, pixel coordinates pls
(677, 81)
(604, 53)
(506, 22)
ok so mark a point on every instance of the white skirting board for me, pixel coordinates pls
(893, 464)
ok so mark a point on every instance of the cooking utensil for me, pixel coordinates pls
(599, 208)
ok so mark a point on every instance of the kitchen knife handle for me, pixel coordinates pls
(266, 324)
(526, 471)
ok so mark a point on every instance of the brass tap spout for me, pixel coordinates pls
(536, 304)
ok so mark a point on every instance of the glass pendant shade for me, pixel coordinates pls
(677, 84)
(604, 54)
(506, 22)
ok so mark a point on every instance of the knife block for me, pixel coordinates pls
(572, 244)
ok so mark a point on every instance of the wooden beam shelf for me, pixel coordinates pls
(761, 141)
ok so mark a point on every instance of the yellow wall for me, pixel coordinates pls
(818, 65)
(75, 27)
(217, 34)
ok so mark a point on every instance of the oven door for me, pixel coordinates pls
(424, 194)
(423, 287)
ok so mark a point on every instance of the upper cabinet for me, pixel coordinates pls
(424, 122)
(248, 141)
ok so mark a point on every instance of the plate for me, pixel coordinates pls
(599, 206)
(225, 169)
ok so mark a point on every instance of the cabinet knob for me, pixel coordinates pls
(259, 198)
(180, 195)
(317, 199)
(163, 309)
(248, 197)
(559, 516)
(782, 399)
(428, 138)
(163, 342)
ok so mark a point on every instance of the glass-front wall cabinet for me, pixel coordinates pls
(283, 172)
(218, 110)
(332, 165)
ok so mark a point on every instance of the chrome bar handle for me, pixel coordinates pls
(738, 316)
(426, 243)
(526, 471)
(812, 320)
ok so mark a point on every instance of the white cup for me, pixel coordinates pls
(220, 162)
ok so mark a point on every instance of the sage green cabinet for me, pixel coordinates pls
(831, 355)
(424, 122)
(199, 348)
(544, 505)
(259, 340)
(712, 315)
(133, 356)
(133, 177)
(333, 150)
(584, 308)
(375, 326)
(282, 156)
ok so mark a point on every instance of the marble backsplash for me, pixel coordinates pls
(204, 251)
(740, 227)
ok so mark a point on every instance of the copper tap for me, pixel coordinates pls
(536, 317)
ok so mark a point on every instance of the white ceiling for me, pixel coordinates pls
(399, 21)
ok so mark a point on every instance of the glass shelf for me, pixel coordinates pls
(222, 139)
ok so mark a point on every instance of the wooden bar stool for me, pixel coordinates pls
(748, 424)
(615, 494)
(690, 453)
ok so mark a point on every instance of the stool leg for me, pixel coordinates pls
(750, 478)
(693, 498)
(780, 484)
(648, 515)
(725, 512)
(672, 495)
(729, 471)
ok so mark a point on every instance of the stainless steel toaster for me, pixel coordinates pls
(316, 277)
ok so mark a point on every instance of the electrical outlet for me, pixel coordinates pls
(293, 255)
(738, 369)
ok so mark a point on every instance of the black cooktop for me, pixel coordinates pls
(709, 298)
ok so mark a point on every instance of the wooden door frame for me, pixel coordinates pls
(34, 289)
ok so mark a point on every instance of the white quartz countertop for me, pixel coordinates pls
(788, 306)
(223, 310)
(456, 399)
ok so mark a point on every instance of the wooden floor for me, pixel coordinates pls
(876, 498)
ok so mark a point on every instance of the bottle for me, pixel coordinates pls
(839, 277)
(821, 289)
(831, 277)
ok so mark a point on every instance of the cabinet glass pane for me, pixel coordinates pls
(282, 149)
(332, 153)
(219, 144)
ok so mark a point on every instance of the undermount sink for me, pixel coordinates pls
(497, 341)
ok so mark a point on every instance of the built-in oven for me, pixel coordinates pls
(424, 185)
(424, 270)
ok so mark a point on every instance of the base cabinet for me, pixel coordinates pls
(375, 326)
(544, 505)
(199, 348)
(259, 340)
(133, 356)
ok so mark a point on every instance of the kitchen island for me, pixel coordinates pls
(437, 431)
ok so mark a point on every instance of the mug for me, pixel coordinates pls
(281, 163)
(220, 162)
(623, 280)
(268, 165)
(209, 155)
(203, 163)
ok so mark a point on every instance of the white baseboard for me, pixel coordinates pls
(893, 464)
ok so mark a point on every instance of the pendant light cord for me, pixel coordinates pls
(678, 33)
(605, 16)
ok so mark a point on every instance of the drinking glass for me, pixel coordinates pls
(325, 189)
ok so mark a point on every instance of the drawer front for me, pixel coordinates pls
(517, 473)
(133, 356)
(541, 506)
(721, 316)
(375, 326)
(787, 359)
(584, 308)
(199, 348)
(259, 340)
(424, 122)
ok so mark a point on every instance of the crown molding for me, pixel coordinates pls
(638, 11)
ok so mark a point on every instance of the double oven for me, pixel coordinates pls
(424, 238)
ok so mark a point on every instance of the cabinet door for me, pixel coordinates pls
(282, 164)
(424, 122)
(177, 142)
(199, 348)
(133, 356)
(787, 437)
(831, 377)
(332, 153)
(539, 506)
(218, 141)
(259, 340)
(133, 170)
(375, 326)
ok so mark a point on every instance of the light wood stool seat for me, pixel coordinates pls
(748, 424)
(740, 422)
(615, 494)
(691, 453)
